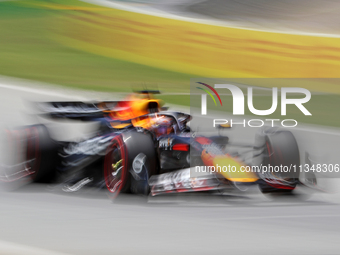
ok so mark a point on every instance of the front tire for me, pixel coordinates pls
(281, 152)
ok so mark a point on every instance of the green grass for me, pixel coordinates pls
(28, 51)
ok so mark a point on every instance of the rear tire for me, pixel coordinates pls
(34, 154)
(41, 147)
(138, 162)
(116, 167)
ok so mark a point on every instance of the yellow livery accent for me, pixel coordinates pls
(230, 168)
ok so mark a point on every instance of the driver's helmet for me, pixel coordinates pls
(162, 125)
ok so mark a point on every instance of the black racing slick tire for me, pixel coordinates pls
(129, 162)
(281, 158)
(34, 154)
(46, 150)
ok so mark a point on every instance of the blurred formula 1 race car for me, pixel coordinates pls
(141, 148)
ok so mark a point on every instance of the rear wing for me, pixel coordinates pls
(75, 110)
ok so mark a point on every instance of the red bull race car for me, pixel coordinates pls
(141, 147)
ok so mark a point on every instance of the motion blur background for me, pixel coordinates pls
(100, 49)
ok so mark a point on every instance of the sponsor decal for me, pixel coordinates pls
(166, 143)
(180, 181)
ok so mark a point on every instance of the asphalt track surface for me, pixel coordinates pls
(40, 219)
